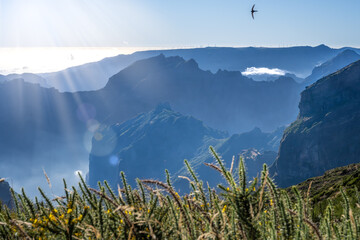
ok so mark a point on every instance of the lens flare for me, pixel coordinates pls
(114, 160)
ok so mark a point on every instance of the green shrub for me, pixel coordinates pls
(154, 210)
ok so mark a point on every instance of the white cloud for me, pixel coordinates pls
(263, 70)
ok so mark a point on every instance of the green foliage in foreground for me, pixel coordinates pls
(237, 210)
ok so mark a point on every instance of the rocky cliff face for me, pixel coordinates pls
(326, 133)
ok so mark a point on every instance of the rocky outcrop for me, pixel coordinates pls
(326, 133)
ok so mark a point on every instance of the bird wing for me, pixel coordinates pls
(252, 14)
(252, 9)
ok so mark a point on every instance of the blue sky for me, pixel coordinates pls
(175, 23)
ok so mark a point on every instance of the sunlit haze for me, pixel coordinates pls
(41, 60)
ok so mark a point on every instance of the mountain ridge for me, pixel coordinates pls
(297, 60)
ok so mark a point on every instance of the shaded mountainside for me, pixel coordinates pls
(3, 78)
(56, 128)
(93, 76)
(326, 133)
(146, 145)
(225, 100)
(30, 78)
(5, 195)
(161, 139)
(340, 61)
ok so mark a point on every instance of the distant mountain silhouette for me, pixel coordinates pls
(30, 78)
(161, 139)
(338, 62)
(3, 79)
(296, 60)
(326, 133)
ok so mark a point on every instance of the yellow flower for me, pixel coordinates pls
(271, 202)
(35, 221)
(86, 207)
(52, 217)
(224, 208)
(129, 213)
(108, 211)
(66, 221)
(254, 189)
(121, 221)
(55, 210)
(247, 190)
(228, 189)
(69, 211)
(61, 216)
(265, 211)
(80, 217)
(148, 210)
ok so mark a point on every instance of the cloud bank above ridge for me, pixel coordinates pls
(263, 70)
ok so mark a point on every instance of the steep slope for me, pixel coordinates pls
(327, 187)
(5, 195)
(341, 60)
(297, 60)
(161, 139)
(326, 133)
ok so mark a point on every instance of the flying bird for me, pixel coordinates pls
(253, 11)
